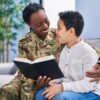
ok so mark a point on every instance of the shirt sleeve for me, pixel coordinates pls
(89, 60)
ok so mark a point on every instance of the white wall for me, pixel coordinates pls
(53, 7)
(90, 11)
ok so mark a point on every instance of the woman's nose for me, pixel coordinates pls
(45, 26)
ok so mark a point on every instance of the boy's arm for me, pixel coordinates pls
(83, 85)
(95, 74)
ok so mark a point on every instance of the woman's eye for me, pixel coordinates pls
(39, 25)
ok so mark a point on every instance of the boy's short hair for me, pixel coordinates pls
(72, 19)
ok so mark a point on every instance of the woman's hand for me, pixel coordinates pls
(53, 90)
(42, 81)
(95, 73)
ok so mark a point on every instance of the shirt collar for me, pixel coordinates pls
(75, 46)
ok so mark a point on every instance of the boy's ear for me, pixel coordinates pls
(72, 30)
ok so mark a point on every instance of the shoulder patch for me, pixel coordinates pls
(53, 30)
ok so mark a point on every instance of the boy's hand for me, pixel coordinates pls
(52, 82)
(53, 90)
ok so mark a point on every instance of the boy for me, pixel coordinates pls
(76, 58)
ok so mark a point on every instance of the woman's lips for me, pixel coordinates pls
(46, 31)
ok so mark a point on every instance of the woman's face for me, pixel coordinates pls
(39, 23)
(63, 35)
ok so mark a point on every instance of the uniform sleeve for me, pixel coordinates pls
(89, 60)
(21, 52)
(11, 91)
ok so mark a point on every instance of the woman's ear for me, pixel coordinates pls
(29, 24)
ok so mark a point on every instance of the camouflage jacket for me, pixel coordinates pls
(30, 47)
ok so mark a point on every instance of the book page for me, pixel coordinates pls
(41, 59)
(22, 60)
(46, 58)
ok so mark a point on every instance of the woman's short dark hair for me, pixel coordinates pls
(73, 19)
(29, 10)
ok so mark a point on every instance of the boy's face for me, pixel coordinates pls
(39, 23)
(63, 35)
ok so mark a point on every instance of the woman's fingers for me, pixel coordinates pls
(43, 80)
(93, 74)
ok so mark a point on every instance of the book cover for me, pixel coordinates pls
(44, 66)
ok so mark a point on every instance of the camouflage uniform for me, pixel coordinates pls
(30, 47)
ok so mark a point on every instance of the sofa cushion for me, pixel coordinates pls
(95, 43)
(7, 68)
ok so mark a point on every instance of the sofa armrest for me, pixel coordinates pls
(7, 68)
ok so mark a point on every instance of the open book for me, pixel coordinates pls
(44, 66)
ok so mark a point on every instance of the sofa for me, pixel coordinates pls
(7, 72)
(95, 43)
(10, 70)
